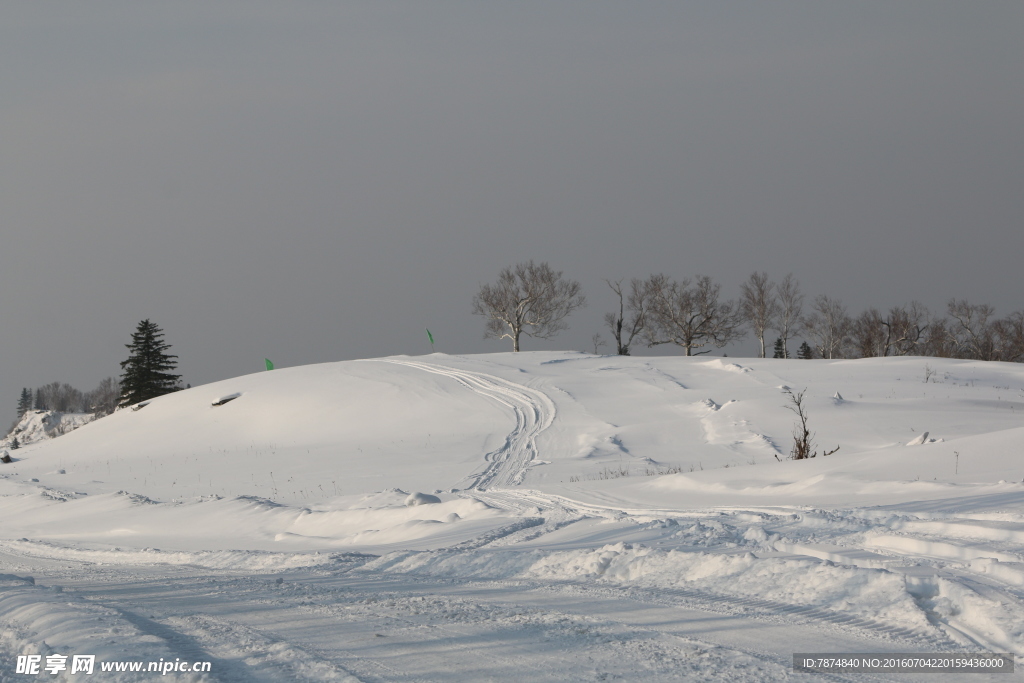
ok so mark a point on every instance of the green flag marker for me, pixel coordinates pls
(270, 366)
(431, 338)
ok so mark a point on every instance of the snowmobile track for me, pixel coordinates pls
(534, 411)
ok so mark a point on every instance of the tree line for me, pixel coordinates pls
(65, 398)
(535, 300)
(146, 374)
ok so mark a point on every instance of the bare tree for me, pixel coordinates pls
(904, 329)
(528, 299)
(790, 306)
(63, 398)
(1010, 337)
(71, 399)
(629, 322)
(828, 327)
(970, 332)
(803, 439)
(759, 305)
(690, 316)
(48, 397)
(867, 335)
(936, 340)
(103, 399)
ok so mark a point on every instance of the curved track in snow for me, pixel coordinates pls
(534, 411)
(339, 625)
(968, 587)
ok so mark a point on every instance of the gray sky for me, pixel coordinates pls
(318, 181)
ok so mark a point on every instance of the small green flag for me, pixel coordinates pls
(270, 366)
(431, 337)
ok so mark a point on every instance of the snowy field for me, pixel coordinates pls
(528, 517)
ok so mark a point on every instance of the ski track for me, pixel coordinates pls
(446, 620)
(952, 631)
(209, 617)
(534, 411)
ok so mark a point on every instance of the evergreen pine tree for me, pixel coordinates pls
(15, 444)
(25, 402)
(805, 352)
(146, 372)
(40, 403)
(780, 349)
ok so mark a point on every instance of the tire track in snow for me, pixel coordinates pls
(182, 645)
(261, 656)
(752, 611)
(973, 565)
(508, 464)
(534, 411)
(456, 645)
(559, 512)
(430, 610)
(746, 607)
(965, 575)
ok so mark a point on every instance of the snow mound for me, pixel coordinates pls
(226, 399)
(923, 439)
(728, 367)
(709, 404)
(41, 425)
(421, 499)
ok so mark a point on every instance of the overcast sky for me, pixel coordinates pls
(319, 181)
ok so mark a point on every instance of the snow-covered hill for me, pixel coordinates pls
(565, 501)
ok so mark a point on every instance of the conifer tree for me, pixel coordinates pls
(146, 373)
(805, 352)
(780, 349)
(25, 402)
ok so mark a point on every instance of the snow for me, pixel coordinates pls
(40, 425)
(421, 499)
(579, 517)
